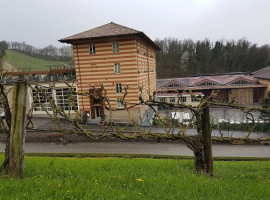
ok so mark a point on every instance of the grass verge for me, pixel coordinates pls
(137, 178)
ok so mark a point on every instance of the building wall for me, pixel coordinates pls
(266, 82)
(188, 100)
(124, 116)
(98, 68)
(146, 60)
(138, 69)
(244, 96)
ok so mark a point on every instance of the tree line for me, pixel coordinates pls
(180, 58)
(50, 50)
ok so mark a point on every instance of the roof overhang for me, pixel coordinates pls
(140, 34)
(217, 87)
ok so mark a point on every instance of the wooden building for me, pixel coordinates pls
(117, 57)
(263, 77)
(244, 88)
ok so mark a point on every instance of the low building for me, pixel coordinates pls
(53, 85)
(245, 89)
(263, 76)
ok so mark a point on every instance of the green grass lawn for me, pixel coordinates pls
(138, 178)
(25, 62)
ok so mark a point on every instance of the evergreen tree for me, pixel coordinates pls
(265, 115)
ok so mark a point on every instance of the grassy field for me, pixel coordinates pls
(140, 178)
(25, 62)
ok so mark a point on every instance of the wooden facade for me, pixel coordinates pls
(244, 89)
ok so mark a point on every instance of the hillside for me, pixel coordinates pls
(24, 62)
(8, 67)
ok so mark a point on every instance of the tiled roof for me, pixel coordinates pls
(217, 79)
(263, 73)
(107, 30)
(184, 94)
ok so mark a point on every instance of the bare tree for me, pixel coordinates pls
(199, 143)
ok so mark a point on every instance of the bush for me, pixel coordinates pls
(227, 126)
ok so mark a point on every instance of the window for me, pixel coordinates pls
(65, 99)
(183, 99)
(206, 83)
(118, 88)
(117, 68)
(241, 82)
(173, 85)
(115, 47)
(172, 99)
(92, 49)
(119, 103)
(162, 99)
(42, 103)
(193, 99)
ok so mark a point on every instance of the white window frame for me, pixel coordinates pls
(63, 101)
(172, 99)
(115, 47)
(193, 99)
(92, 49)
(162, 99)
(117, 69)
(119, 103)
(44, 101)
(183, 99)
(118, 88)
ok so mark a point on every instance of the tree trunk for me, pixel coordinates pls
(17, 133)
(199, 161)
(206, 133)
(203, 158)
(6, 124)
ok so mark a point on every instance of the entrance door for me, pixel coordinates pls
(97, 111)
(96, 104)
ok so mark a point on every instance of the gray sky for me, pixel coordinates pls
(43, 22)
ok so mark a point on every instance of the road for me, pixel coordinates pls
(220, 150)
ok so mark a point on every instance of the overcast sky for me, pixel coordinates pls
(43, 22)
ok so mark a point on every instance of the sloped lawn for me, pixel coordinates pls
(139, 178)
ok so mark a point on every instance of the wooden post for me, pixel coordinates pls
(206, 132)
(17, 132)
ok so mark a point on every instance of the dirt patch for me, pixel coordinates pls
(8, 67)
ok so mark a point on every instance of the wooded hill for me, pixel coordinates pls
(180, 58)
(177, 58)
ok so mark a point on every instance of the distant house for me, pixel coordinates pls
(263, 76)
(53, 85)
(117, 57)
(248, 89)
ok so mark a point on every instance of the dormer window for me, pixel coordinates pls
(241, 82)
(173, 85)
(92, 49)
(115, 47)
(206, 83)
